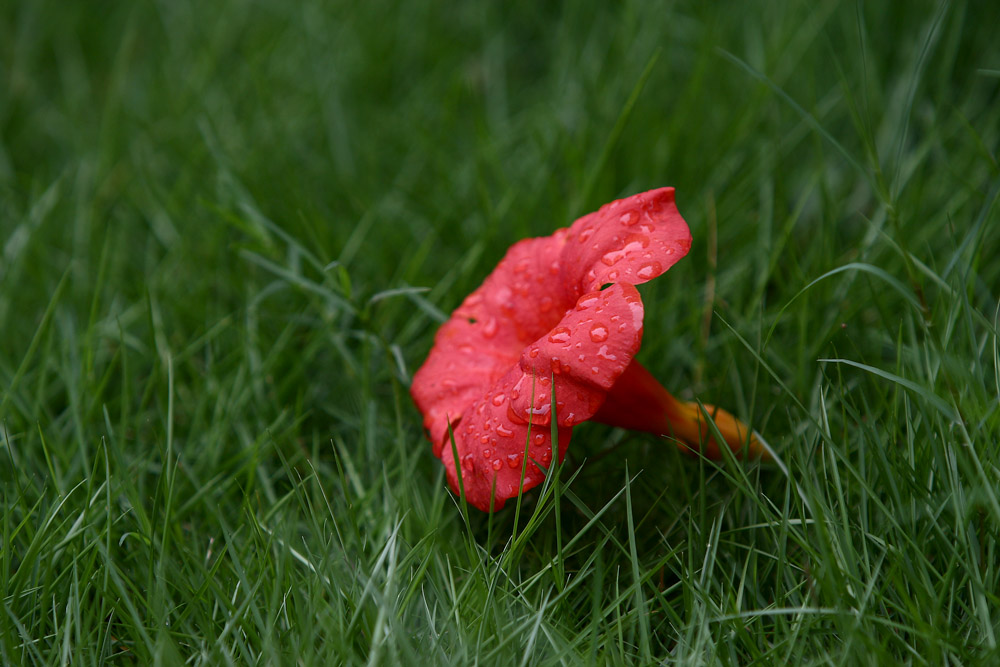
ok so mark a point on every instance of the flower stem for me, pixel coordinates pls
(638, 401)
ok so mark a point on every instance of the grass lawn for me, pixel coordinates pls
(229, 231)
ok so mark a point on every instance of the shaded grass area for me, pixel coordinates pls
(229, 231)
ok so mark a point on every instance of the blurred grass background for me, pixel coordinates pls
(229, 230)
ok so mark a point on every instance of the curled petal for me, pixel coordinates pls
(585, 353)
(631, 240)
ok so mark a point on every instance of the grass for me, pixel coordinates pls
(229, 230)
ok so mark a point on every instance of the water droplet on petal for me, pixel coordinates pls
(613, 275)
(559, 335)
(467, 462)
(629, 218)
(585, 235)
(533, 352)
(649, 270)
(539, 438)
(513, 460)
(499, 399)
(497, 464)
(594, 369)
(598, 333)
(490, 328)
(604, 354)
(487, 453)
(504, 432)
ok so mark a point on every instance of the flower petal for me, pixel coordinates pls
(631, 240)
(483, 338)
(586, 353)
(490, 444)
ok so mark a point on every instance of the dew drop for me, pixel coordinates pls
(497, 464)
(585, 235)
(467, 462)
(490, 328)
(504, 432)
(647, 271)
(513, 460)
(560, 335)
(487, 453)
(603, 353)
(598, 333)
(546, 455)
(595, 370)
(539, 438)
(499, 399)
(613, 275)
(636, 242)
(587, 301)
(582, 357)
(628, 219)
(484, 439)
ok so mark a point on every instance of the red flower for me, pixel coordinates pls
(542, 317)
